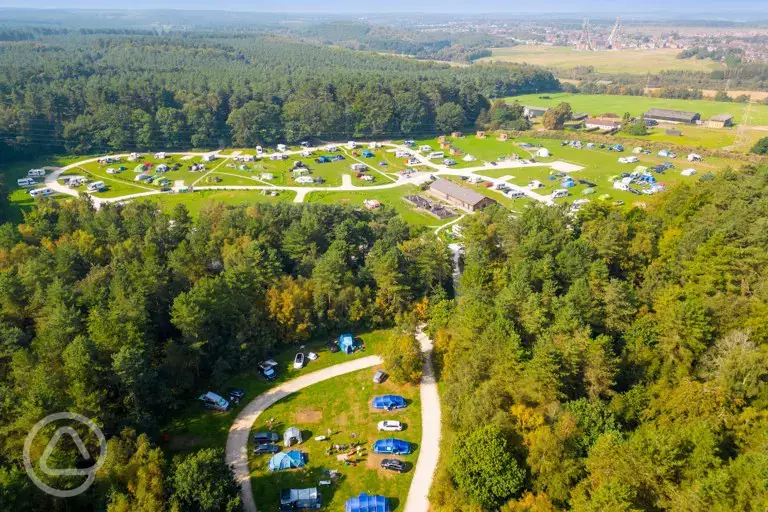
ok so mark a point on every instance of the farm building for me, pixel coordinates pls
(286, 460)
(672, 116)
(601, 124)
(579, 116)
(720, 121)
(532, 112)
(459, 196)
(365, 503)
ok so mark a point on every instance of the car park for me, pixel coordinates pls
(389, 426)
(393, 465)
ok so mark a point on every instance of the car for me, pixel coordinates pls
(389, 426)
(393, 465)
(618, 203)
(492, 163)
(235, 395)
(213, 401)
(298, 361)
(379, 377)
(266, 448)
(267, 369)
(265, 437)
(166, 189)
(333, 347)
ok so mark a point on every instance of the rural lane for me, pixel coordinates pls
(429, 449)
(236, 455)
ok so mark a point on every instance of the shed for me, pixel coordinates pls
(347, 343)
(720, 121)
(392, 447)
(286, 460)
(365, 503)
(388, 402)
(292, 436)
(672, 116)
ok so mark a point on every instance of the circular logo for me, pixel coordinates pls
(89, 473)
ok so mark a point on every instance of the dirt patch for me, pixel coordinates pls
(308, 416)
(342, 420)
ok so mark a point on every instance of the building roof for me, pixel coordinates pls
(602, 122)
(671, 114)
(721, 118)
(455, 191)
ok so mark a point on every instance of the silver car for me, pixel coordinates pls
(390, 426)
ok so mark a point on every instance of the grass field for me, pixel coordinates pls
(195, 201)
(629, 61)
(342, 405)
(596, 104)
(196, 427)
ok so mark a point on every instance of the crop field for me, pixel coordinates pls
(629, 61)
(342, 405)
(596, 104)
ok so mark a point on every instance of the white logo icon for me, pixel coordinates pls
(89, 473)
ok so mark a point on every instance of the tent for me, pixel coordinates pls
(365, 503)
(543, 153)
(388, 402)
(291, 499)
(392, 446)
(292, 435)
(286, 460)
(347, 343)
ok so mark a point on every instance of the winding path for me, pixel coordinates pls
(429, 450)
(236, 455)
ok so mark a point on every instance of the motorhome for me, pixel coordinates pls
(26, 182)
(96, 186)
(561, 192)
(35, 173)
(282, 147)
(514, 194)
(40, 192)
(351, 144)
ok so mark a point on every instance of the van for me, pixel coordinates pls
(26, 182)
(35, 173)
(213, 401)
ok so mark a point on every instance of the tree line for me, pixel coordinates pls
(617, 360)
(81, 93)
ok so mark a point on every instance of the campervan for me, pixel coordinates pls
(40, 192)
(514, 194)
(35, 173)
(559, 193)
(26, 182)
(282, 147)
(96, 186)
(351, 144)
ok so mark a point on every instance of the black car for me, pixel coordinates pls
(265, 437)
(165, 189)
(235, 395)
(393, 465)
(333, 347)
(266, 448)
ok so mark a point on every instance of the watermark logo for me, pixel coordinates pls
(89, 473)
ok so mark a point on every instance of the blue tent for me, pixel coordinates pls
(388, 402)
(365, 503)
(392, 447)
(286, 460)
(347, 343)
(367, 154)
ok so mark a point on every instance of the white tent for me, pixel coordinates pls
(543, 153)
(291, 436)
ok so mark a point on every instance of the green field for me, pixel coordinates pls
(629, 61)
(343, 406)
(596, 104)
(195, 201)
(196, 427)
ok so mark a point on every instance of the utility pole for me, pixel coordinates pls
(585, 43)
(612, 43)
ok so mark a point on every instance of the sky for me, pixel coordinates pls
(692, 7)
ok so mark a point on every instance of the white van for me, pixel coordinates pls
(559, 193)
(259, 150)
(281, 147)
(35, 173)
(26, 182)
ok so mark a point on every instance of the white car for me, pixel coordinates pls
(298, 361)
(390, 426)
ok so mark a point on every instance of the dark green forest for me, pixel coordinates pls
(616, 361)
(85, 93)
(124, 315)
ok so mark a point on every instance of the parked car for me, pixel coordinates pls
(333, 347)
(235, 395)
(265, 437)
(266, 448)
(298, 361)
(267, 369)
(393, 465)
(389, 426)
(379, 377)
(213, 401)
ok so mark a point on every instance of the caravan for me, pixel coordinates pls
(26, 182)
(35, 173)
(436, 154)
(40, 192)
(557, 194)
(96, 186)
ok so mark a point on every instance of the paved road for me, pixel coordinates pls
(429, 449)
(237, 441)
(418, 178)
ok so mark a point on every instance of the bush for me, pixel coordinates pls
(402, 356)
(761, 147)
